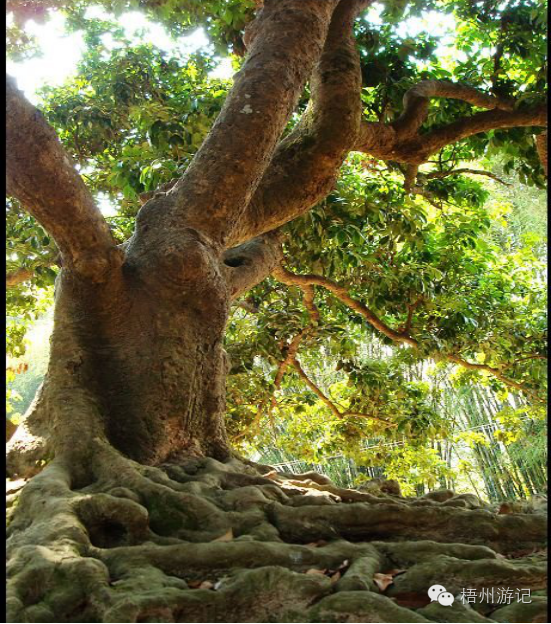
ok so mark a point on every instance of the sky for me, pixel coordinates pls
(61, 51)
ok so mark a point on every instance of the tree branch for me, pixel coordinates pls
(401, 143)
(443, 174)
(416, 102)
(431, 142)
(290, 354)
(306, 163)
(292, 347)
(492, 371)
(246, 305)
(290, 359)
(315, 389)
(42, 177)
(410, 176)
(285, 276)
(541, 147)
(411, 309)
(326, 401)
(401, 337)
(287, 39)
(14, 278)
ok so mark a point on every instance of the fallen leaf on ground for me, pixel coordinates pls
(335, 577)
(206, 585)
(194, 584)
(316, 571)
(382, 580)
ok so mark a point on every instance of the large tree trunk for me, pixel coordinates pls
(137, 361)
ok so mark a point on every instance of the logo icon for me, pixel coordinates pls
(438, 593)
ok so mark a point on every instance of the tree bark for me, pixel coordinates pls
(40, 174)
(133, 365)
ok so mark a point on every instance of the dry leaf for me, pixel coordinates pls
(227, 537)
(271, 475)
(382, 580)
(335, 577)
(316, 571)
(194, 584)
(206, 585)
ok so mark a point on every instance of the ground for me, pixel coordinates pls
(206, 541)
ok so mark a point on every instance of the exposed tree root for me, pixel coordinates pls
(207, 541)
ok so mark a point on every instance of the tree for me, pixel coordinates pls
(127, 429)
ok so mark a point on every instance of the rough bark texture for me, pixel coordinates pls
(137, 352)
(218, 185)
(41, 175)
(385, 142)
(133, 363)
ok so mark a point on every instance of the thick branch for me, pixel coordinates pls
(481, 122)
(410, 176)
(401, 337)
(416, 102)
(386, 143)
(306, 163)
(42, 177)
(219, 183)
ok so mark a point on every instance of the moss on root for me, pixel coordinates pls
(207, 541)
